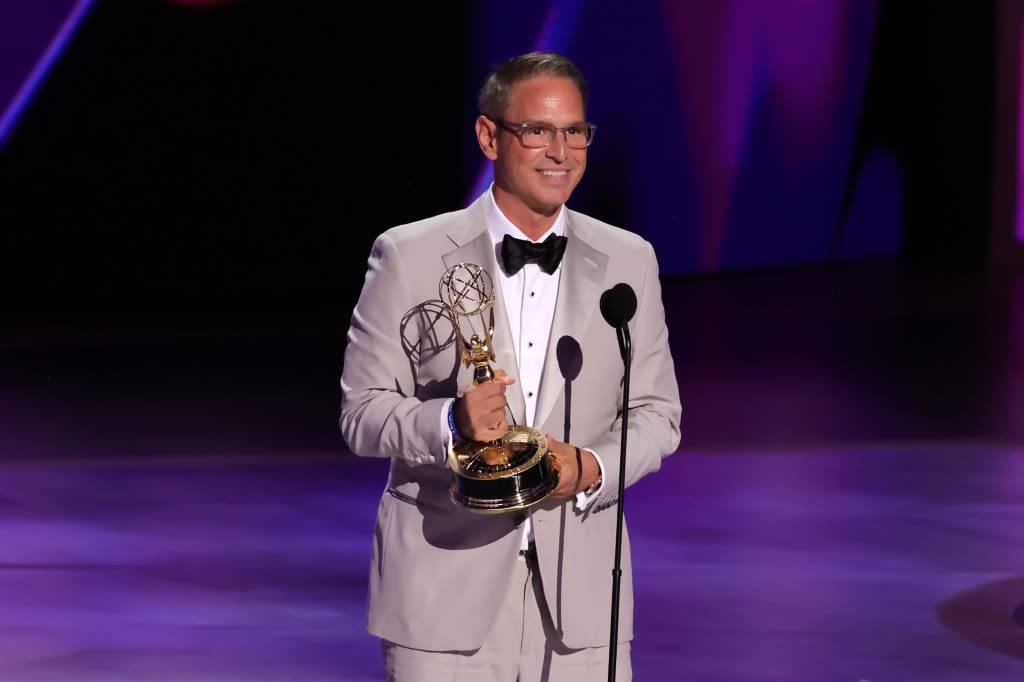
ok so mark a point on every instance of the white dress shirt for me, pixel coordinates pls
(530, 297)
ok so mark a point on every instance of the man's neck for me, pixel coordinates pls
(530, 222)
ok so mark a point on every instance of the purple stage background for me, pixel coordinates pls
(157, 150)
(189, 193)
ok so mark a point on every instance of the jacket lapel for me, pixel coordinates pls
(474, 245)
(579, 293)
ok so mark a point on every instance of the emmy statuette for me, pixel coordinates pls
(516, 470)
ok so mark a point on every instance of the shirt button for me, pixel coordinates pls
(532, 294)
(529, 344)
(529, 394)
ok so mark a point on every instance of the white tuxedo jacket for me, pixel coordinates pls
(438, 571)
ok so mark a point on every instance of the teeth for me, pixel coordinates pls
(555, 174)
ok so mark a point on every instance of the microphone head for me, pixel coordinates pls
(618, 304)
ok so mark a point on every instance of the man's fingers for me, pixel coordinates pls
(501, 377)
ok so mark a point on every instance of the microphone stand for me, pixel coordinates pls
(625, 347)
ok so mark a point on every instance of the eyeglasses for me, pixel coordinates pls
(540, 135)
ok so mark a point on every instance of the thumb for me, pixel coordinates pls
(503, 377)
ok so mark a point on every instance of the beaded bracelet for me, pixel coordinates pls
(451, 423)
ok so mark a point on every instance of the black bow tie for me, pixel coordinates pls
(515, 253)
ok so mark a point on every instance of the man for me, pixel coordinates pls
(523, 594)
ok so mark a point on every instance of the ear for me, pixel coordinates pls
(487, 136)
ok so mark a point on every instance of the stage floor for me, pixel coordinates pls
(847, 503)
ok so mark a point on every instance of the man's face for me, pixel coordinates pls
(538, 181)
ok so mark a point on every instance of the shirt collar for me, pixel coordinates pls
(498, 225)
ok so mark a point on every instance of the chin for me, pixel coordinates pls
(547, 207)
(553, 197)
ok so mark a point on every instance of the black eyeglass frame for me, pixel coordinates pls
(519, 130)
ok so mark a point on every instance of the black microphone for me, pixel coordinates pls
(618, 305)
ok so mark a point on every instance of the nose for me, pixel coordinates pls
(559, 148)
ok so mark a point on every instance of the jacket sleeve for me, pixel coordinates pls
(381, 414)
(654, 409)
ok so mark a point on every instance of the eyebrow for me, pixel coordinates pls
(573, 123)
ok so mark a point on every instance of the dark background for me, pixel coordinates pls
(190, 197)
(249, 153)
(240, 156)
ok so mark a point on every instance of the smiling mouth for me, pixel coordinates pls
(555, 174)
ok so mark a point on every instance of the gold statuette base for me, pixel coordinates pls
(513, 472)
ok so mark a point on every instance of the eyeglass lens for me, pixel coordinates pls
(543, 134)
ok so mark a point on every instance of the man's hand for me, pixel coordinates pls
(480, 412)
(577, 468)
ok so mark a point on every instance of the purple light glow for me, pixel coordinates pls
(1020, 145)
(789, 55)
(42, 67)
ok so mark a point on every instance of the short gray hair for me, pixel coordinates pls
(493, 98)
